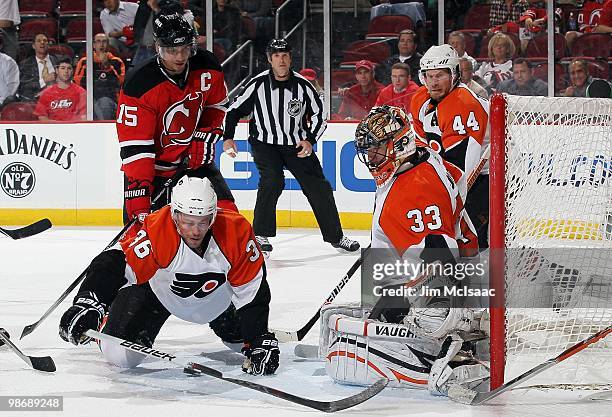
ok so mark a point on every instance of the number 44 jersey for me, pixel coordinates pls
(192, 287)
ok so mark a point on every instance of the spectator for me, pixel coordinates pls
(143, 25)
(38, 71)
(579, 78)
(406, 45)
(594, 16)
(109, 72)
(9, 76)
(261, 12)
(360, 98)
(311, 75)
(63, 101)
(226, 24)
(504, 11)
(522, 82)
(501, 50)
(399, 92)
(466, 70)
(599, 88)
(116, 17)
(9, 19)
(457, 40)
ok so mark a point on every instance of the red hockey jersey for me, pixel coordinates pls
(157, 114)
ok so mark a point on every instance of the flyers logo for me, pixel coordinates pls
(181, 119)
(198, 285)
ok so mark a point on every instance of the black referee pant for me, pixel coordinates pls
(270, 161)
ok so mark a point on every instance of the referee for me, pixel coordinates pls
(281, 100)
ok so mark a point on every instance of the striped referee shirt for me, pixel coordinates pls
(279, 109)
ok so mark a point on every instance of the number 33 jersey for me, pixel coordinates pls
(192, 287)
(418, 208)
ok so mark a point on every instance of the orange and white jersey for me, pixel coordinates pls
(192, 287)
(420, 202)
(455, 128)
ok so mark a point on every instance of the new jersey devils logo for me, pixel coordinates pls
(181, 119)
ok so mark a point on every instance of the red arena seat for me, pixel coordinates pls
(46, 25)
(371, 50)
(18, 112)
(389, 25)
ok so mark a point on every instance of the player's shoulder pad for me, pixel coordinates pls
(162, 233)
(233, 226)
(461, 96)
(143, 78)
(420, 95)
(204, 59)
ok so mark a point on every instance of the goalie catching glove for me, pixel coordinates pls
(86, 313)
(202, 148)
(262, 355)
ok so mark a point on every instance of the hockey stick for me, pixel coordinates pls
(31, 327)
(466, 396)
(40, 363)
(197, 369)
(296, 336)
(27, 231)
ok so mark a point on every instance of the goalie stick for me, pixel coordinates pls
(298, 335)
(31, 327)
(27, 231)
(40, 363)
(197, 369)
(466, 396)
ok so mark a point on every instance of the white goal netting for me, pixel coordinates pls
(558, 235)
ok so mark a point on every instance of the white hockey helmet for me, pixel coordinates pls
(194, 196)
(441, 57)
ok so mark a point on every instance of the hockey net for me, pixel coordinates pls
(551, 218)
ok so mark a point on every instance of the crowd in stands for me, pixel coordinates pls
(502, 43)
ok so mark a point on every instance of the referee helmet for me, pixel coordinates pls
(278, 45)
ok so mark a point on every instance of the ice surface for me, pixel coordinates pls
(302, 270)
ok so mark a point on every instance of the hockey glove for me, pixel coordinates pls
(86, 313)
(262, 355)
(138, 199)
(202, 148)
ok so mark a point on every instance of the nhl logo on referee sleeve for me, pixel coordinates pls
(294, 107)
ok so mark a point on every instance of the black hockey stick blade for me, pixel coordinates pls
(466, 396)
(325, 406)
(40, 363)
(27, 231)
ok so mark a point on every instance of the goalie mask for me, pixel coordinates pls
(384, 140)
(441, 57)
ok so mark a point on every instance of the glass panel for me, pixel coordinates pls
(365, 46)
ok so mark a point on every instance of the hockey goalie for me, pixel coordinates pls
(426, 341)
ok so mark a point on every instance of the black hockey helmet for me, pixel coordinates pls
(173, 30)
(278, 45)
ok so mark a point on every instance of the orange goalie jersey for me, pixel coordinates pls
(418, 208)
(192, 287)
(455, 127)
